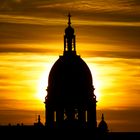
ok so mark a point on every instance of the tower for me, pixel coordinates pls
(102, 127)
(70, 102)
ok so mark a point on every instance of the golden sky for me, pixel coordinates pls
(107, 38)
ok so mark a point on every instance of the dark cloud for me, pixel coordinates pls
(113, 54)
(126, 37)
(26, 33)
(26, 50)
(29, 22)
(118, 10)
(120, 38)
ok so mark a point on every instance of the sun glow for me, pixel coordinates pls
(43, 82)
(96, 81)
(97, 90)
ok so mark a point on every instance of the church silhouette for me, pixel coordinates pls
(70, 100)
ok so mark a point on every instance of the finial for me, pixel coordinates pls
(38, 118)
(102, 117)
(69, 22)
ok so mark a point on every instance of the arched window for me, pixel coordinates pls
(86, 116)
(54, 116)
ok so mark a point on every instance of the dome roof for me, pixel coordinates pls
(69, 30)
(70, 78)
(103, 125)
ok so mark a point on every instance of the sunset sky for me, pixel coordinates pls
(107, 38)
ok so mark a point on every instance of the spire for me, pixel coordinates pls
(102, 117)
(69, 38)
(103, 127)
(69, 20)
(38, 123)
(38, 118)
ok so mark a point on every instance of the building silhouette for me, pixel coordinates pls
(102, 127)
(38, 123)
(70, 100)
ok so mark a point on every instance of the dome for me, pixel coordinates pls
(70, 100)
(103, 125)
(69, 30)
(70, 79)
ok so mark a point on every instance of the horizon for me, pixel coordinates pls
(107, 39)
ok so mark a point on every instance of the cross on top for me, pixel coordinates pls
(69, 22)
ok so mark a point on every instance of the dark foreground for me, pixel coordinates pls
(32, 132)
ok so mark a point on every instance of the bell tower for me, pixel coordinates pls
(69, 39)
